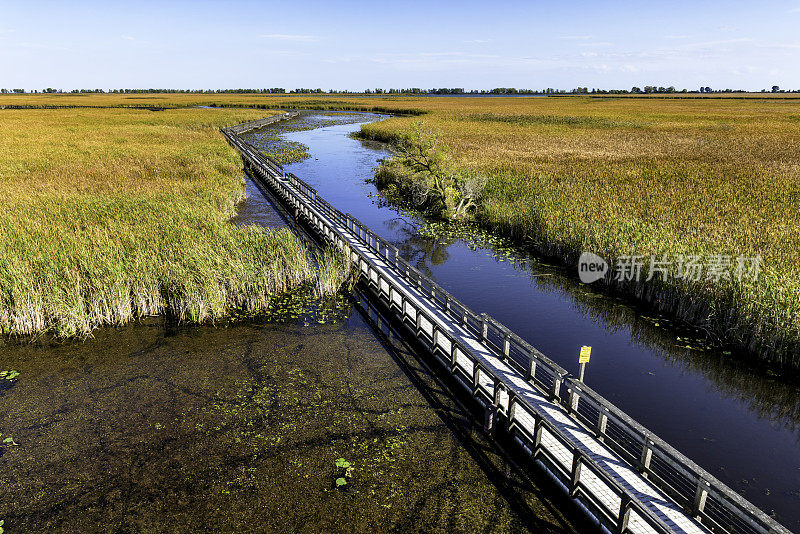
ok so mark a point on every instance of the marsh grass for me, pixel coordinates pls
(647, 177)
(335, 272)
(577, 121)
(616, 176)
(108, 215)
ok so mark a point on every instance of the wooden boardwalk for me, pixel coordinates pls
(627, 478)
(536, 406)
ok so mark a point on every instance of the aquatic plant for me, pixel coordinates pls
(8, 440)
(345, 472)
(270, 140)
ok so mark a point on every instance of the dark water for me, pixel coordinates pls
(256, 209)
(152, 428)
(739, 424)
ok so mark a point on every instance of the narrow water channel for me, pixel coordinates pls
(739, 424)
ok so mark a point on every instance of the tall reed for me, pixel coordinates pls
(107, 215)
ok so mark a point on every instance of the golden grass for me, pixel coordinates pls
(647, 176)
(110, 214)
(617, 175)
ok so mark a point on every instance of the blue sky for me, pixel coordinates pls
(355, 45)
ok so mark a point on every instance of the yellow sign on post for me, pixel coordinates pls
(586, 352)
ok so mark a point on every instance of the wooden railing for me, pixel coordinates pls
(699, 493)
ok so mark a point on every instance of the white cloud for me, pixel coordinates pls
(290, 37)
(127, 37)
(713, 44)
(594, 44)
(478, 41)
(576, 37)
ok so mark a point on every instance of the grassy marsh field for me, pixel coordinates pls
(615, 176)
(110, 214)
(647, 177)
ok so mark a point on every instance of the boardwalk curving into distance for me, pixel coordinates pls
(626, 477)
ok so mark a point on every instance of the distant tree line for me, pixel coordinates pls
(647, 89)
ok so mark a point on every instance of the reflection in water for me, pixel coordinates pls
(769, 397)
(421, 252)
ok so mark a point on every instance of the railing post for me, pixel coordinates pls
(476, 384)
(556, 391)
(602, 422)
(498, 387)
(700, 496)
(536, 443)
(453, 355)
(574, 397)
(624, 514)
(646, 456)
(490, 416)
(530, 370)
(511, 411)
(576, 472)
(506, 346)
(484, 327)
